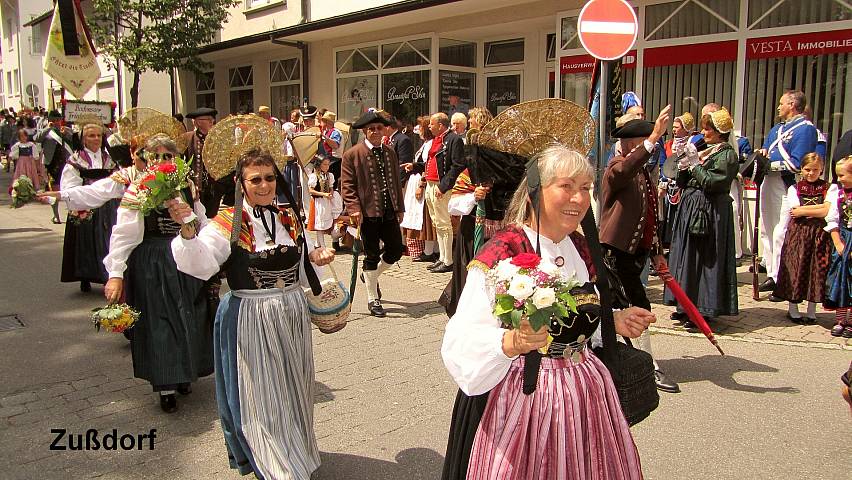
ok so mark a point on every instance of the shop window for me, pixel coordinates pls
(284, 70)
(502, 91)
(407, 54)
(577, 86)
(456, 52)
(355, 95)
(784, 13)
(241, 83)
(550, 54)
(205, 100)
(504, 52)
(406, 94)
(688, 87)
(285, 89)
(570, 39)
(241, 77)
(205, 90)
(687, 18)
(358, 60)
(458, 91)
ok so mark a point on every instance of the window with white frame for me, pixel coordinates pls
(408, 53)
(570, 38)
(250, 4)
(687, 18)
(504, 52)
(205, 90)
(241, 89)
(36, 47)
(362, 59)
(16, 83)
(285, 80)
(9, 83)
(785, 13)
(10, 34)
(458, 53)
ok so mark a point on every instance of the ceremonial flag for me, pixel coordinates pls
(71, 57)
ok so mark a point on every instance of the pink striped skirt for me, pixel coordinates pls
(571, 427)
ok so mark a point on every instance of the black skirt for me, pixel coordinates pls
(467, 413)
(87, 243)
(462, 255)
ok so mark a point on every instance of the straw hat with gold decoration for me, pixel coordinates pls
(162, 125)
(237, 134)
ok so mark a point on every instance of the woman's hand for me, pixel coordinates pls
(523, 340)
(480, 193)
(796, 212)
(178, 210)
(112, 289)
(419, 194)
(321, 256)
(43, 196)
(839, 246)
(632, 321)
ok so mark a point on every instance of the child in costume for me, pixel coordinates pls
(838, 282)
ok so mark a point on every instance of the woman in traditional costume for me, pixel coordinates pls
(702, 257)
(87, 231)
(27, 158)
(500, 429)
(172, 340)
(262, 333)
(326, 204)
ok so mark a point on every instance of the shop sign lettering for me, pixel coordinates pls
(412, 92)
(818, 43)
(511, 97)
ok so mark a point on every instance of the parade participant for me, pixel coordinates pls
(331, 145)
(262, 334)
(701, 258)
(27, 158)
(369, 185)
(807, 246)
(838, 294)
(326, 204)
(55, 143)
(7, 136)
(682, 128)
(87, 231)
(265, 113)
(516, 435)
(417, 227)
(403, 146)
(171, 344)
(785, 146)
(629, 227)
(459, 123)
(212, 193)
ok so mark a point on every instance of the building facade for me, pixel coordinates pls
(414, 58)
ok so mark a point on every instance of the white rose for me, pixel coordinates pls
(549, 268)
(521, 287)
(543, 297)
(505, 269)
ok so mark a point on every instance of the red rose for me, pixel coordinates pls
(526, 260)
(167, 168)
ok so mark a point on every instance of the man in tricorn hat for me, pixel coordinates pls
(212, 192)
(628, 227)
(369, 185)
(55, 142)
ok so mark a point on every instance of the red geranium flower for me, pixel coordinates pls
(526, 260)
(167, 167)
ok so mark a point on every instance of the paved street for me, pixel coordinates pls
(769, 409)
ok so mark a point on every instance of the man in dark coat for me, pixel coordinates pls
(56, 141)
(628, 230)
(402, 145)
(369, 185)
(213, 192)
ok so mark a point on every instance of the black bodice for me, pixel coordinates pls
(579, 326)
(159, 224)
(274, 268)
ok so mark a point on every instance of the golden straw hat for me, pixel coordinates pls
(166, 125)
(237, 134)
(305, 144)
(88, 119)
(529, 127)
(722, 120)
(129, 125)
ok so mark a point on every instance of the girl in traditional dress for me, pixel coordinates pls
(262, 334)
(807, 246)
(27, 158)
(571, 426)
(326, 204)
(417, 228)
(838, 294)
(172, 341)
(702, 257)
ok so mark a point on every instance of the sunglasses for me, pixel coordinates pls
(159, 156)
(259, 180)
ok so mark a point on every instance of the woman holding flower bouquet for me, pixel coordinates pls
(172, 342)
(566, 422)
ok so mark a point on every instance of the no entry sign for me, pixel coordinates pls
(607, 28)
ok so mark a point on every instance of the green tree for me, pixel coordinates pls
(156, 35)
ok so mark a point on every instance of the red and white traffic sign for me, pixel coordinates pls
(607, 28)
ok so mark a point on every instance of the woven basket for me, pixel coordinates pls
(330, 309)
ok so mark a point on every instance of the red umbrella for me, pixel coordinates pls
(689, 307)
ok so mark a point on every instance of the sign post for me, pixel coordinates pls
(607, 30)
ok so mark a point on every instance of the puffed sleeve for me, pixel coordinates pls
(202, 255)
(70, 178)
(85, 197)
(312, 180)
(832, 220)
(790, 201)
(128, 232)
(473, 341)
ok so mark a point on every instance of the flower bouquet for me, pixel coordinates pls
(23, 191)
(532, 288)
(164, 182)
(78, 217)
(115, 318)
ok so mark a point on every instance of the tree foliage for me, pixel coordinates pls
(156, 35)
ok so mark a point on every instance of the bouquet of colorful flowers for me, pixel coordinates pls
(115, 318)
(163, 182)
(23, 191)
(532, 288)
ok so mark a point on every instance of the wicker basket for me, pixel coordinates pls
(330, 309)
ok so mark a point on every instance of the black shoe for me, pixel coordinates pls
(809, 321)
(56, 221)
(185, 389)
(768, 285)
(760, 268)
(442, 269)
(425, 258)
(378, 288)
(168, 403)
(335, 245)
(435, 265)
(678, 316)
(796, 320)
(85, 286)
(773, 298)
(664, 384)
(376, 309)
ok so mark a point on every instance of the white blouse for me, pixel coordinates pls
(71, 177)
(128, 233)
(85, 197)
(203, 255)
(15, 150)
(473, 340)
(832, 220)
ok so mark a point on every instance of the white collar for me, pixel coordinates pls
(368, 144)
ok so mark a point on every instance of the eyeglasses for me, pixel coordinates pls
(160, 156)
(258, 180)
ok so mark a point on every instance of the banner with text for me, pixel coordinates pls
(817, 43)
